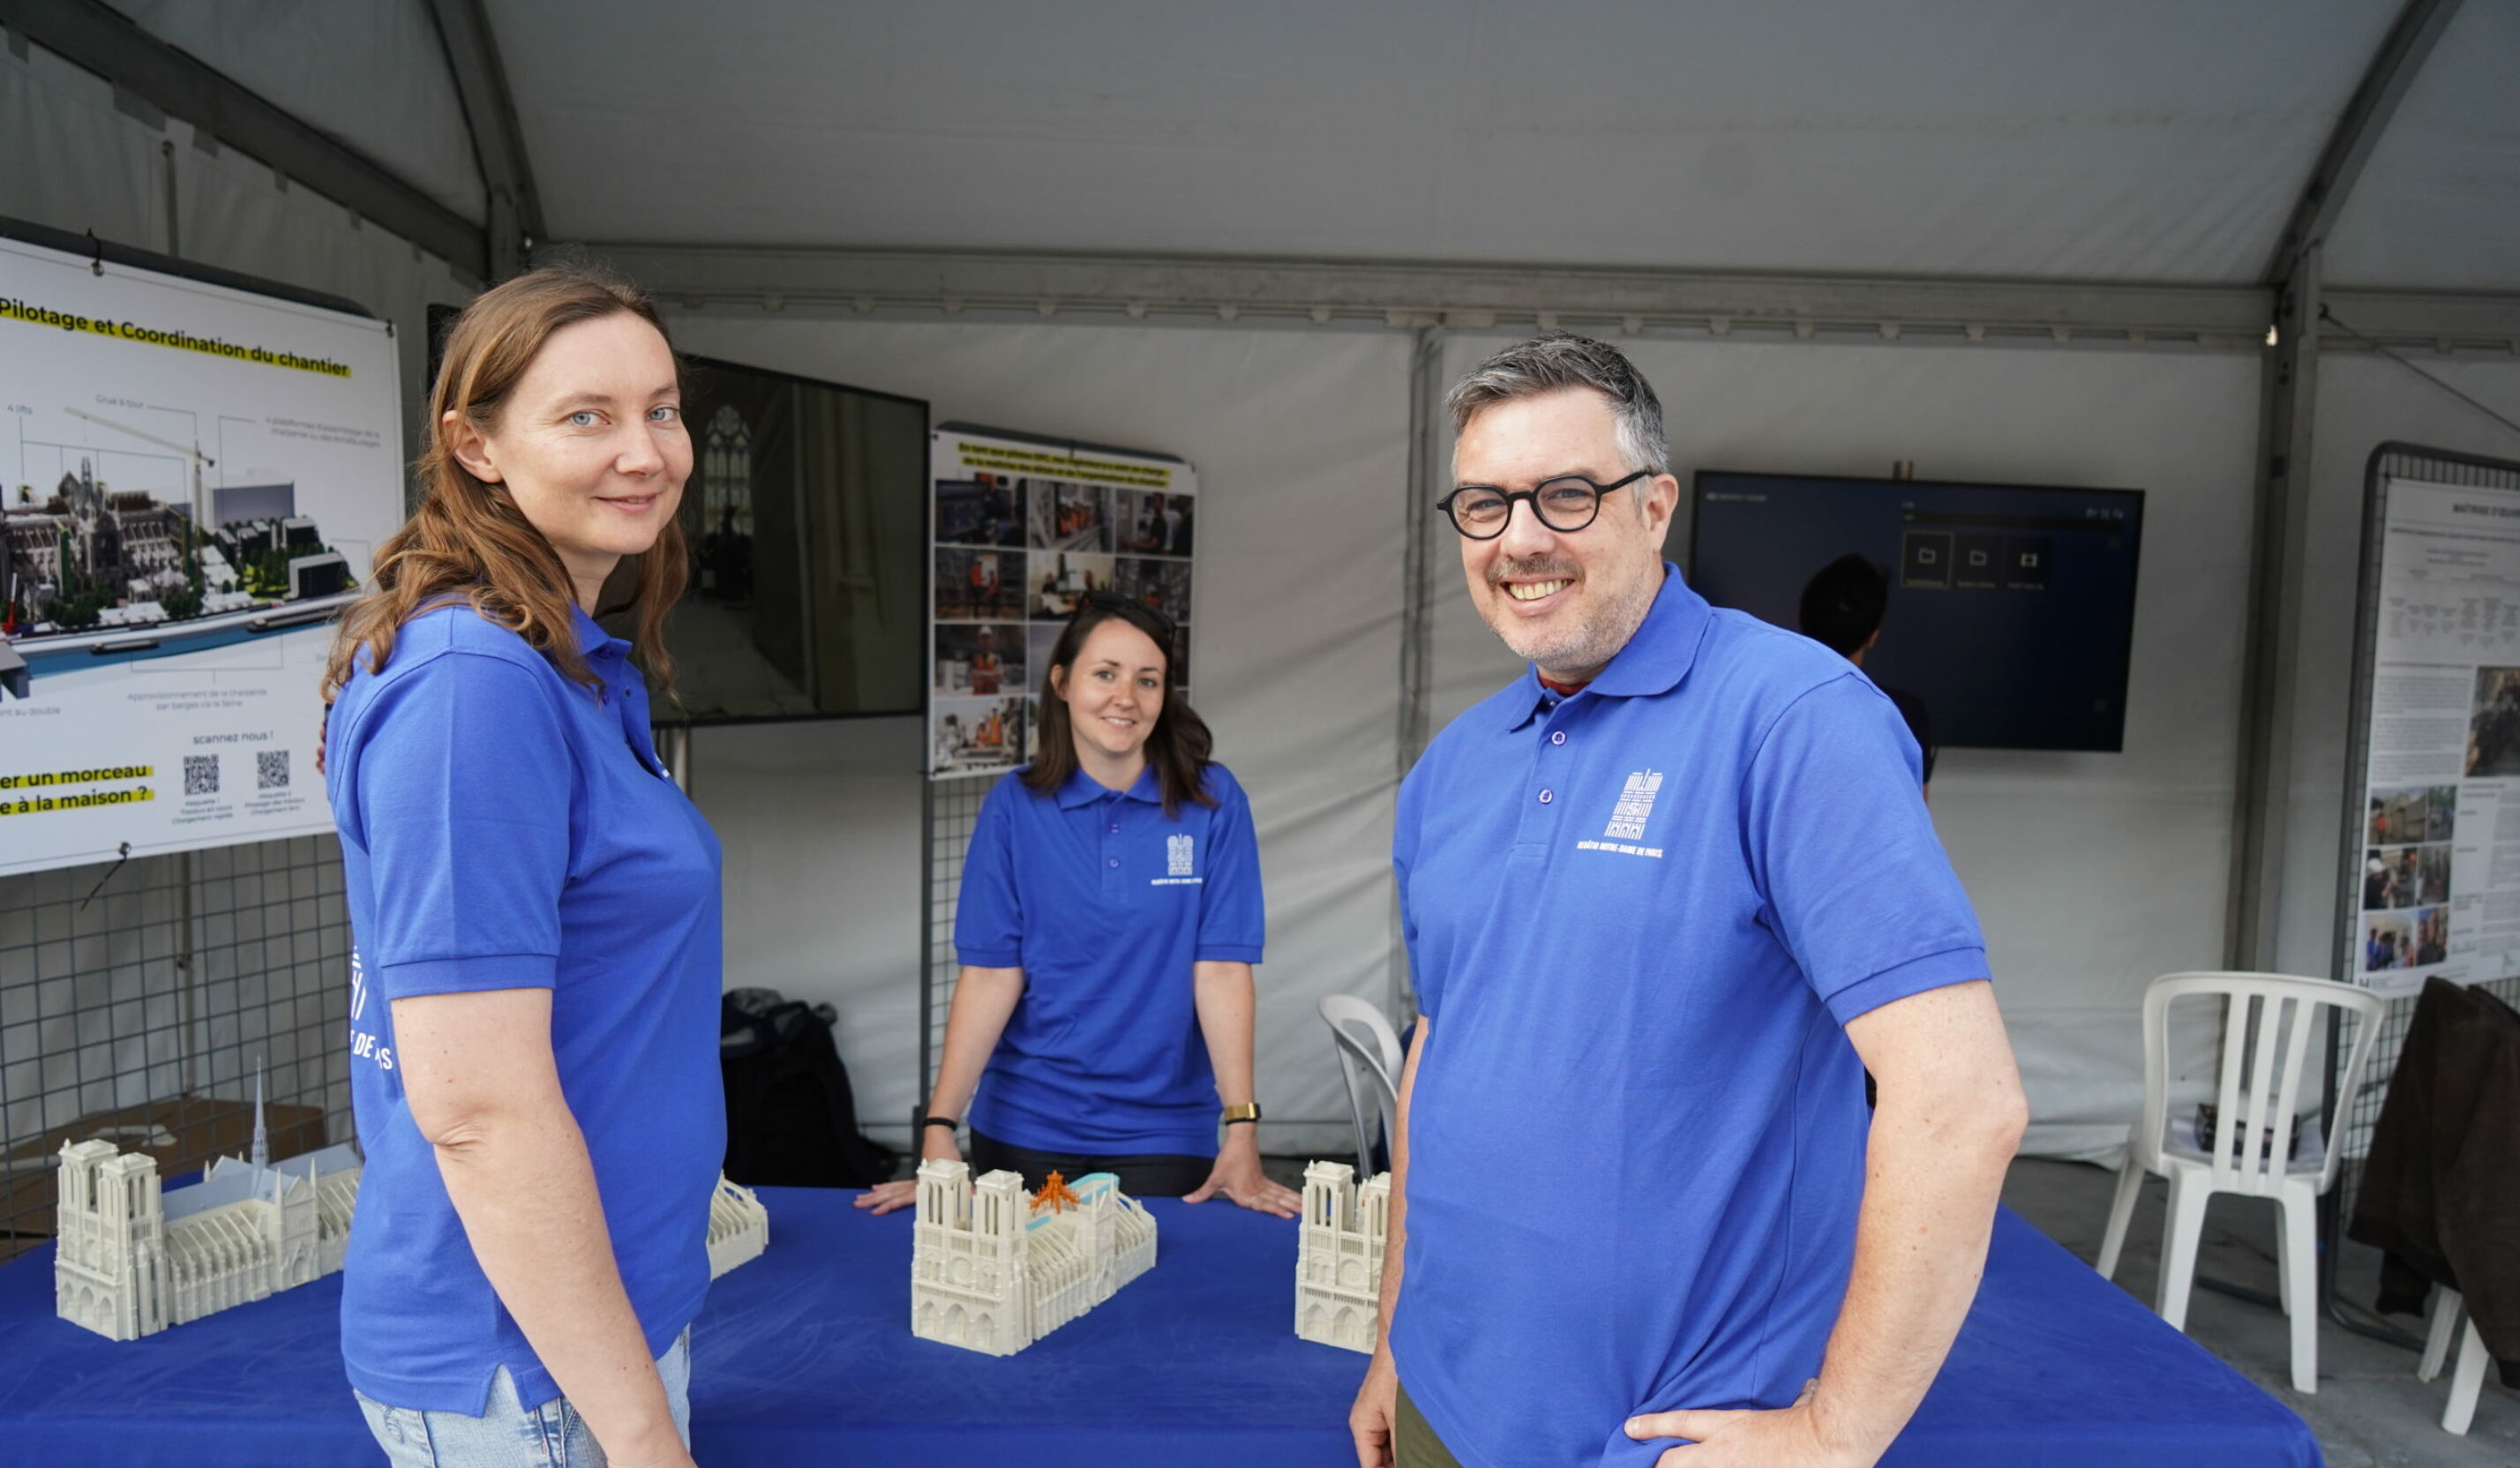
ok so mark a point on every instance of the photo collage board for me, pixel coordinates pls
(1021, 534)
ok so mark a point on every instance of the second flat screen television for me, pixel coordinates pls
(806, 514)
(2011, 608)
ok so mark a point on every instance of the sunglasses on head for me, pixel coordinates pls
(1114, 601)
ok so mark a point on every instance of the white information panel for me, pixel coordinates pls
(2439, 859)
(192, 481)
(1021, 533)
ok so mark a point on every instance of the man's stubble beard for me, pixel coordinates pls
(1588, 644)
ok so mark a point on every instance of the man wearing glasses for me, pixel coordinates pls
(1667, 897)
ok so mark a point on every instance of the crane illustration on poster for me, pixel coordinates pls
(1022, 531)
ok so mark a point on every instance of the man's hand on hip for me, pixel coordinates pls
(1791, 1437)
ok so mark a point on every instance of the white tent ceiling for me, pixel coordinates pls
(373, 75)
(2438, 204)
(2095, 140)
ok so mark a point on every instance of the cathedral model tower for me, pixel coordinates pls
(1338, 1258)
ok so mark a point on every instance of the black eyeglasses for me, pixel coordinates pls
(1567, 503)
(1114, 601)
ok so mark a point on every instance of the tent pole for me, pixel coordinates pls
(2270, 670)
(1428, 462)
(516, 211)
(2263, 777)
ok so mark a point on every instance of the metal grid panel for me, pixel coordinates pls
(164, 982)
(953, 808)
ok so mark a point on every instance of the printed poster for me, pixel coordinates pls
(192, 481)
(2439, 859)
(1021, 533)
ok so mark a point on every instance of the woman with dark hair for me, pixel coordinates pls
(535, 908)
(1108, 920)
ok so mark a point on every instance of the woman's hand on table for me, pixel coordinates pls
(889, 1197)
(1239, 1177)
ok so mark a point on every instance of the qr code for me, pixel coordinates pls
(271, 768)
(201, 774)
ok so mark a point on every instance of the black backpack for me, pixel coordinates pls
(790, 1120)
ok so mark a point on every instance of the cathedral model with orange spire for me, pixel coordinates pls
(993, 1270)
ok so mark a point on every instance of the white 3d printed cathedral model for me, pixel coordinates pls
(739, 1227)
(991, 1271)
(1338, 1258)
(132, 1260)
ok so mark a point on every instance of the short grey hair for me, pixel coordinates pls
(1562, 359)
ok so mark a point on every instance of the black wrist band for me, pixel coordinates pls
(1242, 1121)
(946, 1122)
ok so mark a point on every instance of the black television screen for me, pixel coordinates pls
(806, 515)
(2011, 608)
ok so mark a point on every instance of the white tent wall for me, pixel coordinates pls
(2094, 142)
(2092, 873)
(107, 170)
(1300, 439)
(2364, 400)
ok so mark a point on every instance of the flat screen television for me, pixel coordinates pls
(2012, 607)
(806, 515)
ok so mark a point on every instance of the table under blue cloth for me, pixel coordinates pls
(804, 1355)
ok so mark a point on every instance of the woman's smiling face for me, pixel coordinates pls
(1115, 690)
(590, 443)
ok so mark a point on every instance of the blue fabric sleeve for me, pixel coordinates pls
(1854, 880)
(1233, 920)
(465, 784)
(988, 915)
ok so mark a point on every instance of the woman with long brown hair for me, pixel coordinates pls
(1108, 919)
(535, 911)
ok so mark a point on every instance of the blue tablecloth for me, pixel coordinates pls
(805, 1356)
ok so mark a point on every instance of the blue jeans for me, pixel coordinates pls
(512, 1435)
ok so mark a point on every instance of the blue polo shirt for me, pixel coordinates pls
(503, 827)
(1639, 918)
(1105, 903)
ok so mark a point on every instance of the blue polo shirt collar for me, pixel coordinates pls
(592, 639)
(1653, 662)
(1084, 789)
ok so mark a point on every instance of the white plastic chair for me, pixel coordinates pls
(2268, 1020)
(2467, 1379)
(1368, 1055)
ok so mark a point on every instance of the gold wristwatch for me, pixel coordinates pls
(1248, 1111)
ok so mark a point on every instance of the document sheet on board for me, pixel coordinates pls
(2440, 863)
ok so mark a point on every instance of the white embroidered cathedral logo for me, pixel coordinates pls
(1635, 806)
(1177, 855)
